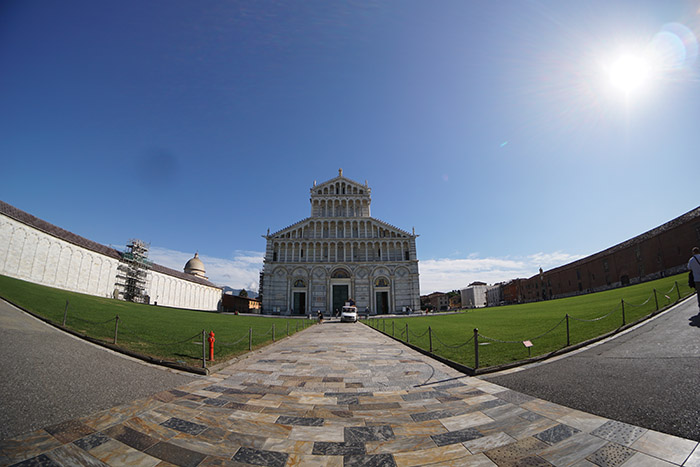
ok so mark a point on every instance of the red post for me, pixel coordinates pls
(211, 346)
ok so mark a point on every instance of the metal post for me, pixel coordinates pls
(250, 339)
(116, 328)
(678, 289)
(384, 326)
(65, 313)
(204, 348)
(407, 333)
(656, 299)
(623, 311)
(392, 329)
(568, 337)
(476, 348)
(287, 328)
(273, 332)
(430, 338)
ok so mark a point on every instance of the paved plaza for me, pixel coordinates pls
(343, 394)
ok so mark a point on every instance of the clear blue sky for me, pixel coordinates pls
(493, 128)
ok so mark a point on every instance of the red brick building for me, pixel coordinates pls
(657, 253)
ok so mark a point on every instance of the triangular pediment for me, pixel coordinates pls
(388, 230)
(351, 186)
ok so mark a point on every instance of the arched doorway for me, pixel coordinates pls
(340, 289)
(381, 294)
(299, 297)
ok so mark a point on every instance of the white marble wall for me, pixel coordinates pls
(32, 255)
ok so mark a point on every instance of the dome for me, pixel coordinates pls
(195, 266)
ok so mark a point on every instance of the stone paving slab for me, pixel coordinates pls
(344, 395)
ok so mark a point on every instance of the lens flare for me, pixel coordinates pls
(674, 47)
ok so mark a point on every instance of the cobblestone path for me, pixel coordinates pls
(343, 394)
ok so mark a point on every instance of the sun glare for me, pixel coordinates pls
(630, 73)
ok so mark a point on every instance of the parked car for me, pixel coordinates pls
(349, 314)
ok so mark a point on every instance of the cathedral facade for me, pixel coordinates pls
(338, 253)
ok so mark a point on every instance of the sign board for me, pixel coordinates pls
(527, 344)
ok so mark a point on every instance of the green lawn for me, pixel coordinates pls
(543, 323)
(166, 333)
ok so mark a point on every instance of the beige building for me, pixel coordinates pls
(340, 252)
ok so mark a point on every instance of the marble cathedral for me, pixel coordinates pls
(338, 253)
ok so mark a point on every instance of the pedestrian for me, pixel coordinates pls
(694, 266)
(320, 317)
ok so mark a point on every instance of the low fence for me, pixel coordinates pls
(429, 342)
(122, 331)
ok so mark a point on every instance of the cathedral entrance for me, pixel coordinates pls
(299, 303)
(340, 296)
(382, 303)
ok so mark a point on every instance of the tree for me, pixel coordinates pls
(243, 293)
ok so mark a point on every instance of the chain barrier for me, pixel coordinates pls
(639, 306)
(416, 335)
(596, 319)
(231, 344)
(133, 334)
(452, 346)
(670, 290)
(520, 341)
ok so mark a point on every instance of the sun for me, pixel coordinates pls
(630, 73)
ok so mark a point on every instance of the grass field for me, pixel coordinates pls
(543, 323)
(167, 333)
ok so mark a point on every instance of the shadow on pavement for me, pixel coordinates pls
(694, 321)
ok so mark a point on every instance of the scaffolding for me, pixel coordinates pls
(132, 272)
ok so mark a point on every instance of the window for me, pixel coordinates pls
(340, 274)
(299, 283)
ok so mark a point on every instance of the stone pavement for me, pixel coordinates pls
(343, 394)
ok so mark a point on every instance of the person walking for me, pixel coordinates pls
(694, 266)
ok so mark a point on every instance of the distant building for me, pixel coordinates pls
(236, 303)
(455, 302)
(438, 301)
(494, 295)
(474, 295)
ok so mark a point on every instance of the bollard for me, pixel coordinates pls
(250, 339)
(430, 338)
(211, 346)
(656, 300)
(116, 328)
(623, 311)
(204, 348)
(476, 348)
(65, 313)
(407, 333)
(273, 333)
(568, 338)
